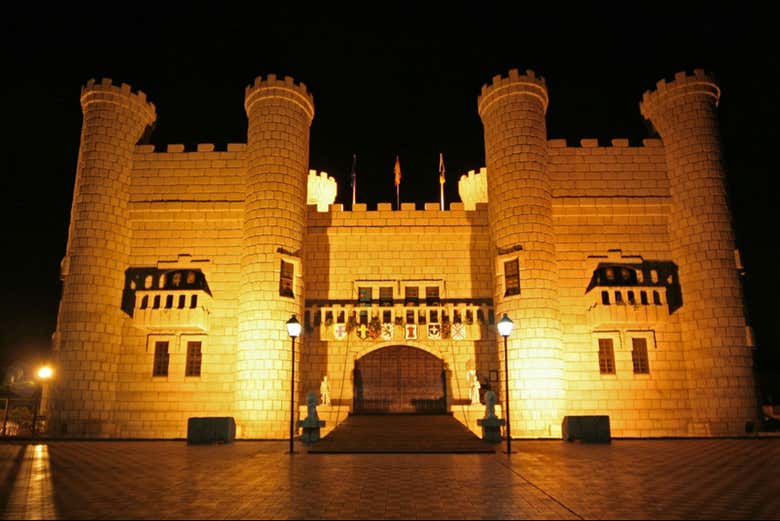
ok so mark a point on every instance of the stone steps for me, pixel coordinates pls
(401, 433)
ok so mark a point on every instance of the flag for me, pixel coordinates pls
(397, 171)
(441, 168)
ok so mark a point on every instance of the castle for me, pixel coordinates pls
(615, 263)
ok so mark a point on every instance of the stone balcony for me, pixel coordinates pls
(625, 305)
(184, 310)
(456, 321)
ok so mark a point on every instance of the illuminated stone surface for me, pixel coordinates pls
(240, 216)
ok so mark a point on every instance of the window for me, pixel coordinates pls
(177, 279)
(606, 356)
(412, 296)
(656, 298)
(194, 302)
(432, 295)
(148, 282)
(364, 296)
(182, 300)
(639, 356)
(512, 277)
(410, 316)
(145, 302)
(386, 296)
(161, 357)
(168, 301)
(286, 279)
(605, 298)
(631, 298)
(643, 297)
(156, 304)
(618, 297)
(194, 358)
(387, 317)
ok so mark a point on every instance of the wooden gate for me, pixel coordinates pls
(400, 379)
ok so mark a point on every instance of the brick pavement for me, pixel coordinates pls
(663, 479)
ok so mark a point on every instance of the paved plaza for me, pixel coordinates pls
(634, 479)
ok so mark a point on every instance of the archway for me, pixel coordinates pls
(400, 379)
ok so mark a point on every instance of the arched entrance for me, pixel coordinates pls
(400, 379)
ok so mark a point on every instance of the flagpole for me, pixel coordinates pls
(441, 179)
(354, 180)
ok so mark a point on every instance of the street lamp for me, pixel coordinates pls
(505, 329)
(44, 374)
(294, 330)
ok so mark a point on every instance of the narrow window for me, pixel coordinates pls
(640, 276)
(618, 297)
(318, 318)
(190, 278)
(386, 296)
(161, 282)
(176, 279)
(606, 356)
(194, 358)
(156, 303)
(148, 282)
(286, 279)
(421, 317)
(387, 317)
(643, 297)
(412, 296)
(160, 359)
(364, 296)
(432, 295)
(512, 277)
(182, 301)
(168, 301)
(364, 317)
(639, 356)
(654, 276)
(410, 316)
(656, 298)
(610, 274)
(631, 298)
(491, 317)
(194, 302)
(456, 317)
(145, 302)
(605, 298)
(434, 316)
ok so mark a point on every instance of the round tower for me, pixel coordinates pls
(280, 114)
(89, 329)
(521, 227)
(720, 375)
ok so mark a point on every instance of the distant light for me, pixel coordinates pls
(293, 327)
(505, 326)
(45, 372)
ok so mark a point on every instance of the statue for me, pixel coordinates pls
(311, 424)
(490, 405)
(325, 391)
(474, 389)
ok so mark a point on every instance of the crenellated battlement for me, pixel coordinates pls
(613, 143)
(387, 210)
(684, 84)
(514, 83)
(122, 94)
(178, 148)
(287, 88)
(472, 188)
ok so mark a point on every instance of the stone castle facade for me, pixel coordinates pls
(616, 264)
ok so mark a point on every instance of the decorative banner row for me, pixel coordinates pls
(373, 330)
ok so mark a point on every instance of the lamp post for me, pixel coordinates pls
(43, 374)
(294, 330)
(505, 329)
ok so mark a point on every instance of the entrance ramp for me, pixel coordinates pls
(401, 433)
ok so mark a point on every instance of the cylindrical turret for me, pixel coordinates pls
(521, 227)
(719, 362)
(89, 329)
(280, 114)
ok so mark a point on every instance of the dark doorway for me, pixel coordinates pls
(400, 379)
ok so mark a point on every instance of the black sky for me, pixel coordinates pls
(387, 80)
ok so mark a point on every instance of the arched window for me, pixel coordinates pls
(148, 282)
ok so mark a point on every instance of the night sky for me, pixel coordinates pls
(386, 81)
